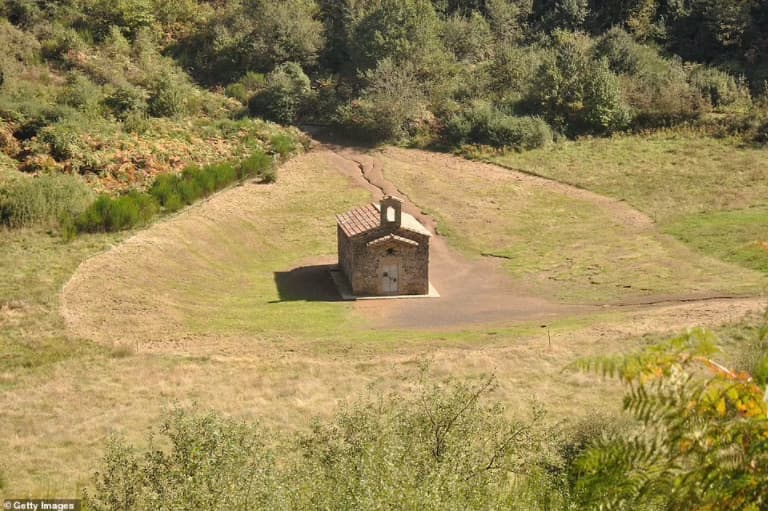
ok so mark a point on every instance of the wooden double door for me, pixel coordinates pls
(390, 278)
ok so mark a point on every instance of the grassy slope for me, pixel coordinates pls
(710, 193)
(565, 246)
(35, 267)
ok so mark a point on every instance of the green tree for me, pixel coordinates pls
(398, 30)
(253, 35)
(604, 108)
(284, 96)
(469, 38)
(509, 19)
(577, 93)
(391, 106)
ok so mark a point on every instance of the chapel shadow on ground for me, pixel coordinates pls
(307, 283)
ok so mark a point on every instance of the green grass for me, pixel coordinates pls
(739, 236)
(709, 193)
(35, 266)
(666, 174)
(8, 169)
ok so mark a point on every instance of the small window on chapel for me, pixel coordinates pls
(391, 215)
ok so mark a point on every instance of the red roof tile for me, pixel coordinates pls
(359, 220)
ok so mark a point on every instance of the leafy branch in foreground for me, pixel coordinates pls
(704, 440)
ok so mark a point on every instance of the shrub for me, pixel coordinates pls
(257, 164)
(108, 214)
(173, 191)
(59, 41)
(189, 191)
(485, 124)
(202, 462)
(81, 93)
(282, 144)
(43, 200)
(392, 106)
(165, 190)
(623, 53)
(203, 179)
(439, 447)
(577, 93)
(245, 87)
(717, 87)
(222, 174)
(237, 91)
(125, 100)
(285, 95)
(167, 98)
(604, 108)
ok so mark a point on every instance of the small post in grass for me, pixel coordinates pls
(549, 335)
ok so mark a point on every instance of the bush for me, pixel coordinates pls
(258, 164)
(173, 191)
(623, 53)
(717, 87)
(165, 190)
(222, 174)
(285, 95)
(440, 447)
(282, 144)
(576, 93)
(81, 93)
(43, 200)
(237, 91)
(125, 100)
(484, 124)
(170, 192)
(168, 98)
(108, 214)
(202, 462)
(243, 89)
(392, 106)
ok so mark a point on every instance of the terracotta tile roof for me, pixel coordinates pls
(388, 237)
(359, 220)
(367, 218)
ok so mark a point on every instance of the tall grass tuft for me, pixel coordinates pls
(45, 200)
(258, 164)
(170, 192)
(109, 214)
(282, 144)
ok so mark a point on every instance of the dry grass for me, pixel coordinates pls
(55, 424)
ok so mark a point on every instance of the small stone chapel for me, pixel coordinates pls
(383, 250)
